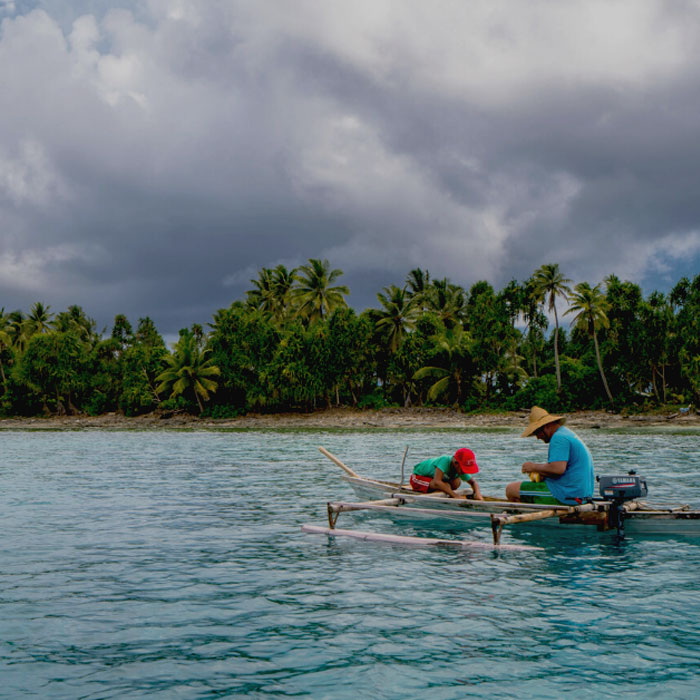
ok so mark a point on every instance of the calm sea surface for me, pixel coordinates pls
(172, 565)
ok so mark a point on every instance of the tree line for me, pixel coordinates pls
(293, 343)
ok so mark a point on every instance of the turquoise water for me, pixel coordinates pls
(172, 565)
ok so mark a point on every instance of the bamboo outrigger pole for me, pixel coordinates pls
(414, 541)
(403, 461)
(498, 521)
(333, 458)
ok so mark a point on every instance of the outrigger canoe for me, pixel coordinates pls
(618, 509)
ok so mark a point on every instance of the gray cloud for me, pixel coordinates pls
(153, 156)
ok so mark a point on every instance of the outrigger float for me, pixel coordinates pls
(618, 509)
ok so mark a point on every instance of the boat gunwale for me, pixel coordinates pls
(491, 504)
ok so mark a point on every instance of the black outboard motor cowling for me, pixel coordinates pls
(619, 489)
(623, 488)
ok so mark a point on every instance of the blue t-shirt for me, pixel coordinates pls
(578, 480)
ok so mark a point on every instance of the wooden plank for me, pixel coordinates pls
(415, 541)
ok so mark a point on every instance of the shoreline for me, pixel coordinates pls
(348, 418)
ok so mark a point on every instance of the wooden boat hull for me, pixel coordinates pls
(640, 517)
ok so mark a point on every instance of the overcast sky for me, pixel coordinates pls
(154, 155)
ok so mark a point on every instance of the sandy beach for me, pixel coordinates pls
(348, 418)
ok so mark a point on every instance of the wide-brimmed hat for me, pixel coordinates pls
(538, 418)
(466, 461)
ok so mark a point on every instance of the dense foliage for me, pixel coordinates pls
(294, 344)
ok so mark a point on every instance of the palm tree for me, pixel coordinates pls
(15, 328)
(5, 341)
(273, 292)
(536, 322)
(398, 316)
(38, 321)
(261, 297)
(282, 284)
(418, 283)
(548, 284)
(455, 343)
(188, 371)
(590, 306)
(512, 298)
(657, 334)
(447, 301)
(314, 293)
(75, 320)
(511, 368)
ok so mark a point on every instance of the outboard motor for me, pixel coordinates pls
(619, 489)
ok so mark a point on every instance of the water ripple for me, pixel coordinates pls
(171, 565)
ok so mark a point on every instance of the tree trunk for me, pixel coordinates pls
(600, 368)
(150, 386)
(556, 349)
(654, 372)
(663, 380)
(534, 363)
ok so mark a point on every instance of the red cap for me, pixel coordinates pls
(466, 461)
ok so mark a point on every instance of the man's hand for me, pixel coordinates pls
(529, 467)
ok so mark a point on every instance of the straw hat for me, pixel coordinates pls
(538, 418)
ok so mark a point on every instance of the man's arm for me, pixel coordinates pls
(477, 491)
(551, 469)
(439, 484)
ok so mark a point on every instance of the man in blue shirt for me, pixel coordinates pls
(567, 476)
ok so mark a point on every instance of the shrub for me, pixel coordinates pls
(222, 411)
(538, 391)
(374, 400)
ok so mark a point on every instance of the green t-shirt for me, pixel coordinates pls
(444, 463)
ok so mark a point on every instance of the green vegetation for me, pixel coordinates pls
(294, 344)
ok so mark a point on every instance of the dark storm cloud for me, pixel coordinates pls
(155, 155)
(630, 155)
